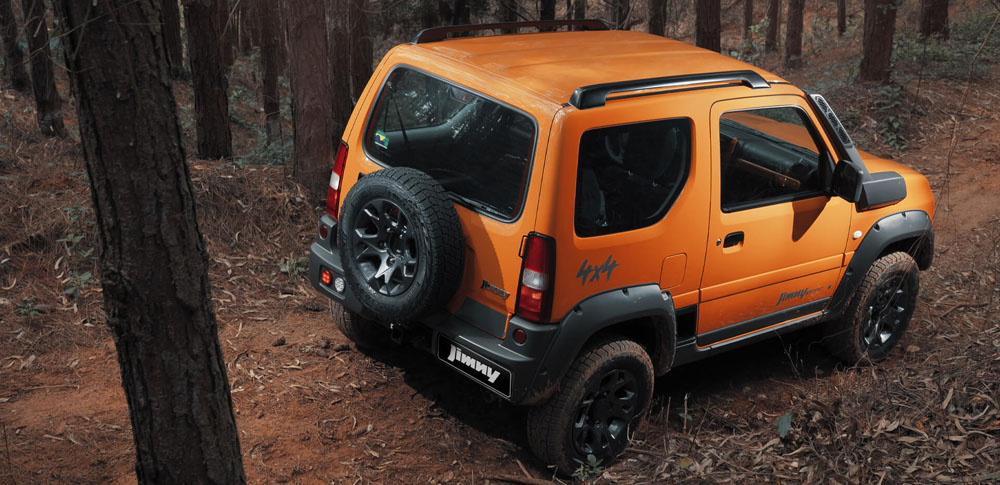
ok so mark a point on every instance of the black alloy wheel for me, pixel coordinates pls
(606, 412)
(387, 250)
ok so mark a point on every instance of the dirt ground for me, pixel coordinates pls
(312, 409)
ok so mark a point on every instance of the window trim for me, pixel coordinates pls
(370, 120)
(780, 199)
(677, 196)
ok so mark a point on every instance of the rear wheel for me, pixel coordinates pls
(603, 399)
(365, 333)
(879, 312)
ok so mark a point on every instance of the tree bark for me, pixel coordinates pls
(312, 115)
(657, 16)
(747, 21)
(773, 24)
(793, 34)
(579, 9)
(48, 105)
(211, 102)
(880, 26)
(171, 18)
(272, 57)
(154, 268)
(708, 29)
(841, 17)
(227, 36)
(934, 18)
(13, 55)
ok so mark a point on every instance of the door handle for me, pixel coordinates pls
(733, 239)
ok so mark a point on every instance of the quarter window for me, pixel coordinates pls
(629, 175)
(768, 155)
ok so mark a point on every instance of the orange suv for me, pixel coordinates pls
(563, 216)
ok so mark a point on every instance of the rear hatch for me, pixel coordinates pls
(481, 151)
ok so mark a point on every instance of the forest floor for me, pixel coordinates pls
(311, 409)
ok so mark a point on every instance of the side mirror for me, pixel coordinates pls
(847, 181)
(880, 190)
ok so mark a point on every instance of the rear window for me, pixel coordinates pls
(477, 148)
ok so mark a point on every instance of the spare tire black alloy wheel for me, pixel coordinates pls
(401, 244)
(387, 251)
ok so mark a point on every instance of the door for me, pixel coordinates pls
(776, 238)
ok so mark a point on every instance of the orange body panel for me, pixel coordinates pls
(804, 244)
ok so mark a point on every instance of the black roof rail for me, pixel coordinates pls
(435, 34)
(594, 96)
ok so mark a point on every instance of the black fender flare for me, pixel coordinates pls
(602, 311)
(888, 230)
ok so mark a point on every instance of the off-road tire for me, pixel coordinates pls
(426, 216)
(365, 333)
(891, 284)
(551, 425)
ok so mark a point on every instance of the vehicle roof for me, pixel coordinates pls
(554, 64)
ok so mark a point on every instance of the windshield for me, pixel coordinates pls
(478, 149)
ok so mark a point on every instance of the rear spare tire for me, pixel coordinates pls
(401, 244)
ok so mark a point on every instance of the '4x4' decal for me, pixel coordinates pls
(589, 272)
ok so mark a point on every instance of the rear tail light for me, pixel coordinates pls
(333, 193)
(534, 295)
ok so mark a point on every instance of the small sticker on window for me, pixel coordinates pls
(381, 140)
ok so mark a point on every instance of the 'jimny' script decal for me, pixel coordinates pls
(589, 272)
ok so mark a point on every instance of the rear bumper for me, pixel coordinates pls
(501, 365)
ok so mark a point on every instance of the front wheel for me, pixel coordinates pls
(879, 312)
(603, 399)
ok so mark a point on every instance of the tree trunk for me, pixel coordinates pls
(312, 116)
(547, 10)
(579, 9)
(211, 102)
(934, 18)
(708, 30)
(773, 24)
(509, 11)
(747, 21)
(154, 268)
(227, 33)
(350, 58)
(793, 34)
(841, 17)
(171, 15)
(245, 21)
(272, 57)
(13, 55)
(880, 26)
(48, 105)
(461, 13)
(657, 16)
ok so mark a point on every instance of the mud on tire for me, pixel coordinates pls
(602, 401)
(878, 314)
(401, 244)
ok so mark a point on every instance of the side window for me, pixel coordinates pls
(629, 175)
(769, 155)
